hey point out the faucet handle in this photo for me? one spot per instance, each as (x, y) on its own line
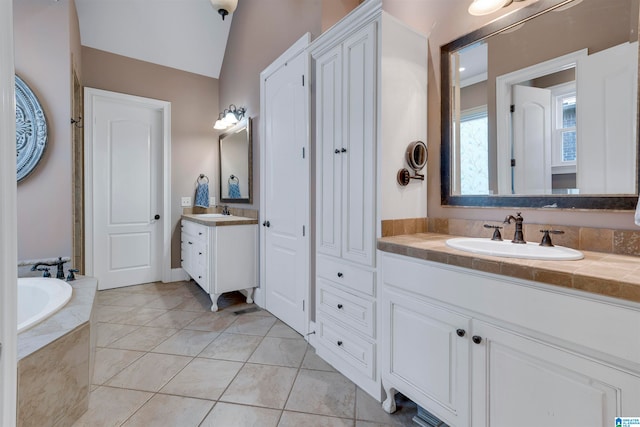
(496, 232)
(546, 238)
(71, 277)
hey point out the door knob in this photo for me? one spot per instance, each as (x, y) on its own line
(340, 274)
(339, 343)
(477, 339)
(343, 150)
(340, 306)
(266, 224)
(156, 217)
(336, 151)
(461, 332)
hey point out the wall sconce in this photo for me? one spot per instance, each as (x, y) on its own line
(229, 117)
(224, 7)
(485, 7)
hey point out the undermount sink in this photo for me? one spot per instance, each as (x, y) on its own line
(211, 215)
(506, 249)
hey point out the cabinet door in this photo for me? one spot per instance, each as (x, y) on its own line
(424, 356)
(521, 381)
(359, 146)
(328, 156)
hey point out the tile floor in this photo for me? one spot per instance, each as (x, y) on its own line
(164, 359)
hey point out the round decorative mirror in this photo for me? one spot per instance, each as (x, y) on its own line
(31, 130)
(417, 155)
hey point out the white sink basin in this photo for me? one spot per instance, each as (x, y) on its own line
(505, 248)
(211, 215)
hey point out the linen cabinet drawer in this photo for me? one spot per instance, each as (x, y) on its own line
(358, 279)
(357, 312)
(354, 350)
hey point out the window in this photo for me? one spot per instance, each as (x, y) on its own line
(474, 161)
(564, 143)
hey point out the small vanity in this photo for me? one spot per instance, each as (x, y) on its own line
(220, 252)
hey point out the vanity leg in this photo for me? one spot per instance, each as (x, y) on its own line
(214, 301)
(249, 295)
(389, 405)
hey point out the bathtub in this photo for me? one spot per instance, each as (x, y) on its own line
(39, 298)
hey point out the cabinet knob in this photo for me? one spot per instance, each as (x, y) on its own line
(461, 332)
(343, 150)
(340, 274)
(266, 224)
(199, 277)
(336, 151)
(339, 343)
(476, 339)
(156, 217)
(339, 306)
(199, 233)
(191, 243)
(199, 253)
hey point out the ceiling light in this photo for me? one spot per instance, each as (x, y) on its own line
(224, 7)
(485, 7)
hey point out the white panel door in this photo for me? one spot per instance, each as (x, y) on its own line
(523, 382)
(127, 149)
(531, 140)
(358, 147)
(606, 120)
(286, 204)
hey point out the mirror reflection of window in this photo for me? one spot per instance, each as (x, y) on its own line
(474, 162)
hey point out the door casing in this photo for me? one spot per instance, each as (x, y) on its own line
(90, 96)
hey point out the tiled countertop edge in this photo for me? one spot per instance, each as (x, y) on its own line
(616, 276)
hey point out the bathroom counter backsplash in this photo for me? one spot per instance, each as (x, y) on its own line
(612, 275)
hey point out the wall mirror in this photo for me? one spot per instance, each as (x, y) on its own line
(540, 108)
(236, 163)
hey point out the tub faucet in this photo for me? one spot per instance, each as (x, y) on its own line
(59, 263)
(518, 236)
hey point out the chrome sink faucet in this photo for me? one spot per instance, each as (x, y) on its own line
(225, 210)
(518, 236)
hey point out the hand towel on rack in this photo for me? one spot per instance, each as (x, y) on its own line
(234, 187)
(202, 194)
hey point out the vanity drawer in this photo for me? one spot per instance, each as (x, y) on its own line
(343, 274)
(350, 348)
(193, 230)
(357, 312)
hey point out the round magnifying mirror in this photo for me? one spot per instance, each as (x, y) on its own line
(417, 155)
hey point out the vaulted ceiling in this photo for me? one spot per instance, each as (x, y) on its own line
(187, 35)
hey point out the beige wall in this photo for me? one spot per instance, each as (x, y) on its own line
(194, 107)
(45, 34)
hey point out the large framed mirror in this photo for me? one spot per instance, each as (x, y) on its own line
(540, 108)
(236, 169)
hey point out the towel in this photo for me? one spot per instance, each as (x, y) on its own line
(202, 195)
(234, 190)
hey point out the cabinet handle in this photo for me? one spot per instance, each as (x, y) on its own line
(339, 343)
(461, 332)
(340, 306)
(340, 274)
(477, 339)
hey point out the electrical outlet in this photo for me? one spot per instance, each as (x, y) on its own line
(186, 202)
(212, 201)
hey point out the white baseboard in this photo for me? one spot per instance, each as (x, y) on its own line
(178, 275)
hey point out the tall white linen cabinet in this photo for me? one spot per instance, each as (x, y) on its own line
(369, 101)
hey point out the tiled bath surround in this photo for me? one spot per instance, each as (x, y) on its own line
(55, 362)
(621, 242)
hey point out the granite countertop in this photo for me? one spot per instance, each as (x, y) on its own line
(220, 220)
(606, 274)
(75, 313)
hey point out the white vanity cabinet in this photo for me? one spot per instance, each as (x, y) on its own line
(220, 258)
(476, 349)
(357, 64)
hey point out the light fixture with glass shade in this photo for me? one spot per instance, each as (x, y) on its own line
(224, 7)
(486, 7)
(229, 117)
